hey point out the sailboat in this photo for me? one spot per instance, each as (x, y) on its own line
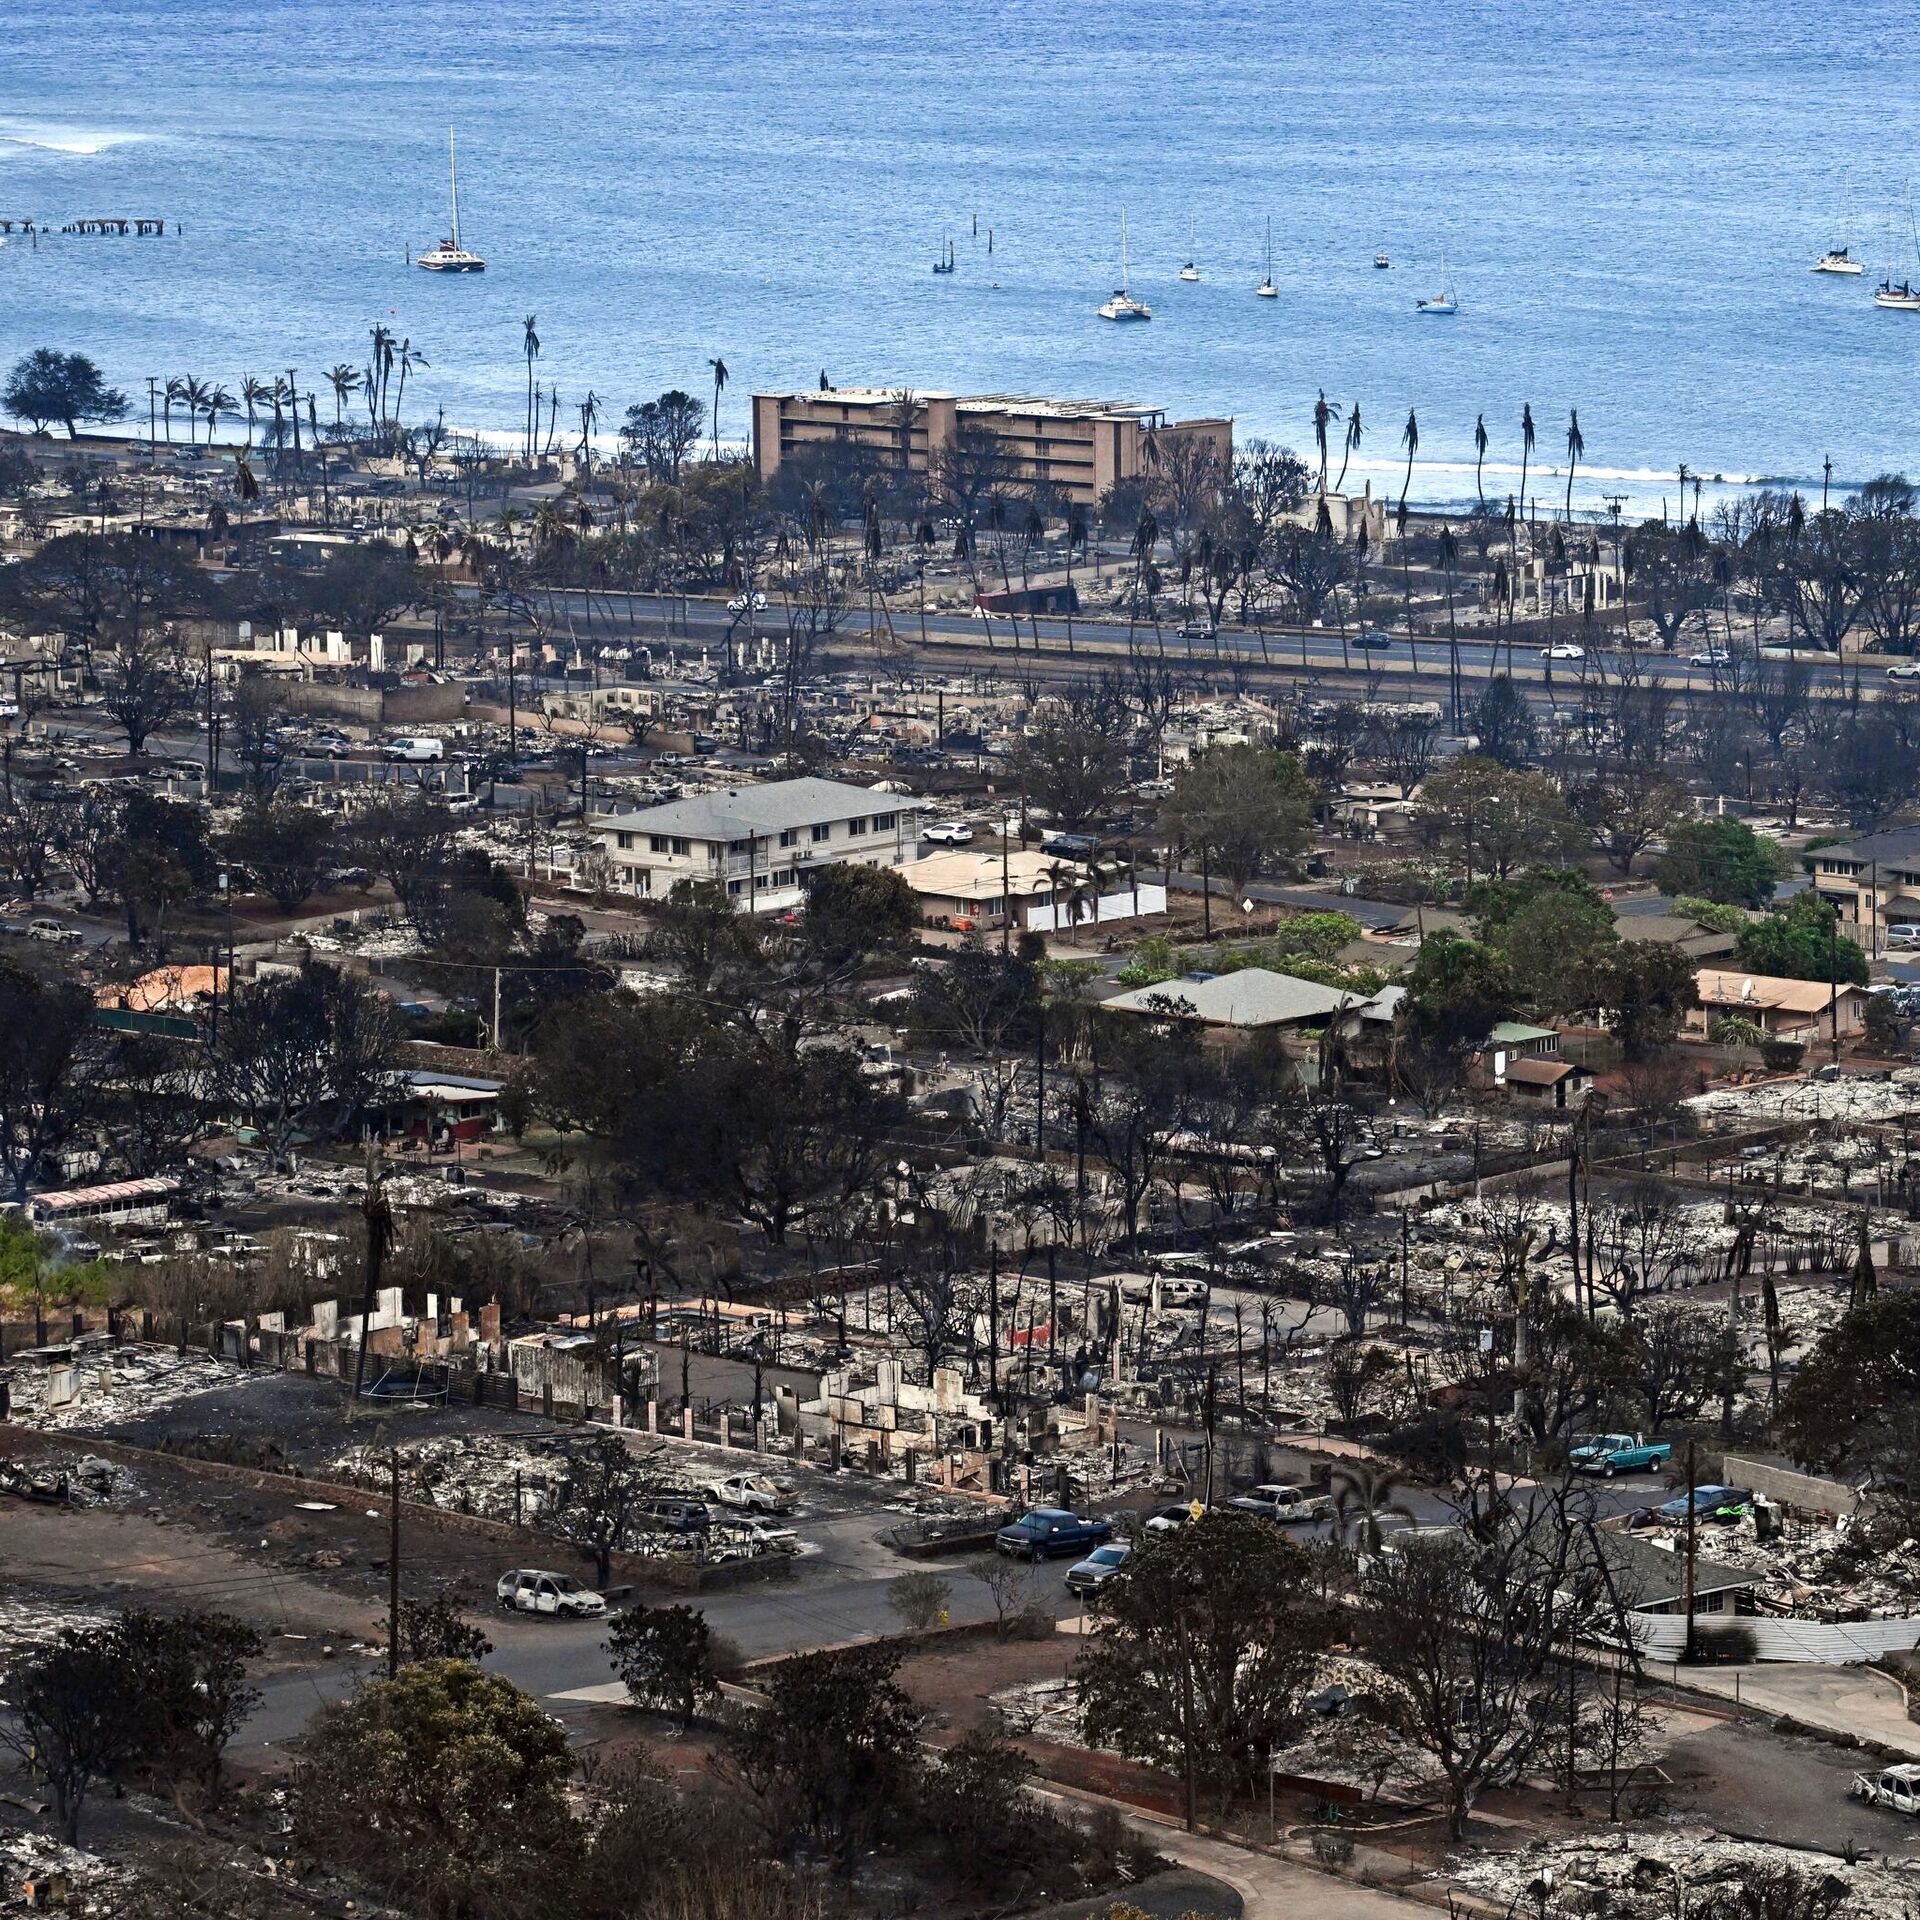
(1123, 306)
(1840, 259)
(1443, 302)
(1189, 271)
(945, 263)
(1898, 295)
(1266, 289)
(450, 256)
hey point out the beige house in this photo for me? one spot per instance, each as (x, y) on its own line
(1800, 1010)
(1083, 447)
(1875, 883)
(968, 890)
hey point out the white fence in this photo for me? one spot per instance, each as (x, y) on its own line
(1663, 1636)
(1110, 906)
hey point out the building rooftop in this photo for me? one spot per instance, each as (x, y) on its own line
(777, 807)
(1722, 989)
(976, 876)
(1032, 403)
(1541, 1073)
(1253, 997)
(1895, 844)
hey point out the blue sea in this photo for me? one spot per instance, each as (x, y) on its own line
(1628, 199)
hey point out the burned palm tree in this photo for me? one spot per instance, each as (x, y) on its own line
(1576, 446)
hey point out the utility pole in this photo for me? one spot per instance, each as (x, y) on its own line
(393, 1565)
(1692, 1533)
(379, 1228)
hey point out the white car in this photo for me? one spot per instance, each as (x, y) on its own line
(1563, 650)
(1710, 657)
(948, 833)
(1907, 670)
(747, 603)
(534, 1590)
(754, 1493)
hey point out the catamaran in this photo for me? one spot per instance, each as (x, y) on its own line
(1123, 306)
(450, 256)
(945, 263)
(1899, 295)
(1266, 289)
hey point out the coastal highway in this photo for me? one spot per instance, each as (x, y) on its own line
(1055, 647)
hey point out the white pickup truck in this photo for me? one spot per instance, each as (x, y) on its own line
(1897, 1788)
(1284, 1503)
(753, 1493)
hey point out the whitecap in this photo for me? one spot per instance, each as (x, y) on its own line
(70, 141)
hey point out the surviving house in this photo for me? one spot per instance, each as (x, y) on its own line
(1803, 1010)
(761, 841)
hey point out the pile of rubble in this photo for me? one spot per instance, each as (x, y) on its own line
(1847, 1098)
(107, 1385)
(28, 1623)
(1653, 1873)
(43, 1874)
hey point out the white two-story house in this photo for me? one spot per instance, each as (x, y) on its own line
(760, 840)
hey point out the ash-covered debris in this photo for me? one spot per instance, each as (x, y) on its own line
(1652, 1873)
(39, 1873)
(102, 1385)
(30, 1621)
(1850, 1097)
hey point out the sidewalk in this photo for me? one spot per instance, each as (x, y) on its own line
(1856, 1700)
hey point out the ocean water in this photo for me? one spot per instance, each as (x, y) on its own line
(1628, 198)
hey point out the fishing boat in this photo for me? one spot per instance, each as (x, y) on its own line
(1189, 271)
(945, 263)
(450, 256)
(1123, 306)
(1381, 260)
(1446, 301)
(1266, 289)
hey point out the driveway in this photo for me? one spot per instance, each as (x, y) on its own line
(1854, 1700)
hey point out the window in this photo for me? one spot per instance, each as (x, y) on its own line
(625, 841)
(659, 843)
(735, 887)
(822, 833)
(883, 823)
(788, 837)
(682, 847)
(855, 828)
(759, 881)
(737, 846)
(783, 876)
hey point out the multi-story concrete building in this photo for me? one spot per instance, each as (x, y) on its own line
(1082, 447)
(761, 841)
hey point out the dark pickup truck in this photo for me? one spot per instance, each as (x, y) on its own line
(1047, 1531)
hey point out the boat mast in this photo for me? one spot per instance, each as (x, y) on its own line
(1124, 275)
(453, 183)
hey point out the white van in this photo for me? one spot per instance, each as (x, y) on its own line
(416, 746)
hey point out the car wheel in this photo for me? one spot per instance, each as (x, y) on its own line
(1607, 1472)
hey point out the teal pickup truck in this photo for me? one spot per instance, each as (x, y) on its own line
(1611, 1453)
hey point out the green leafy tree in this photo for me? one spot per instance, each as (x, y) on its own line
(1551, 945)
(1644, 990)
(1801, 942)
(833, 1754)
(1205, 1646)
(446, 1785)
(1246, 805)
(47, 385)
(1457, 991)
(854, 912)
(664, 1657)
(286, 848)
(185, 1685)
(1073, 758)
(1852, 1403)
(1722, 860)
(1495, 819)
(436, 1629)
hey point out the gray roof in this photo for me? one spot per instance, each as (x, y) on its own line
(777, 807)
(1253, 997)
(1896, 843)
(1649, 1576)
